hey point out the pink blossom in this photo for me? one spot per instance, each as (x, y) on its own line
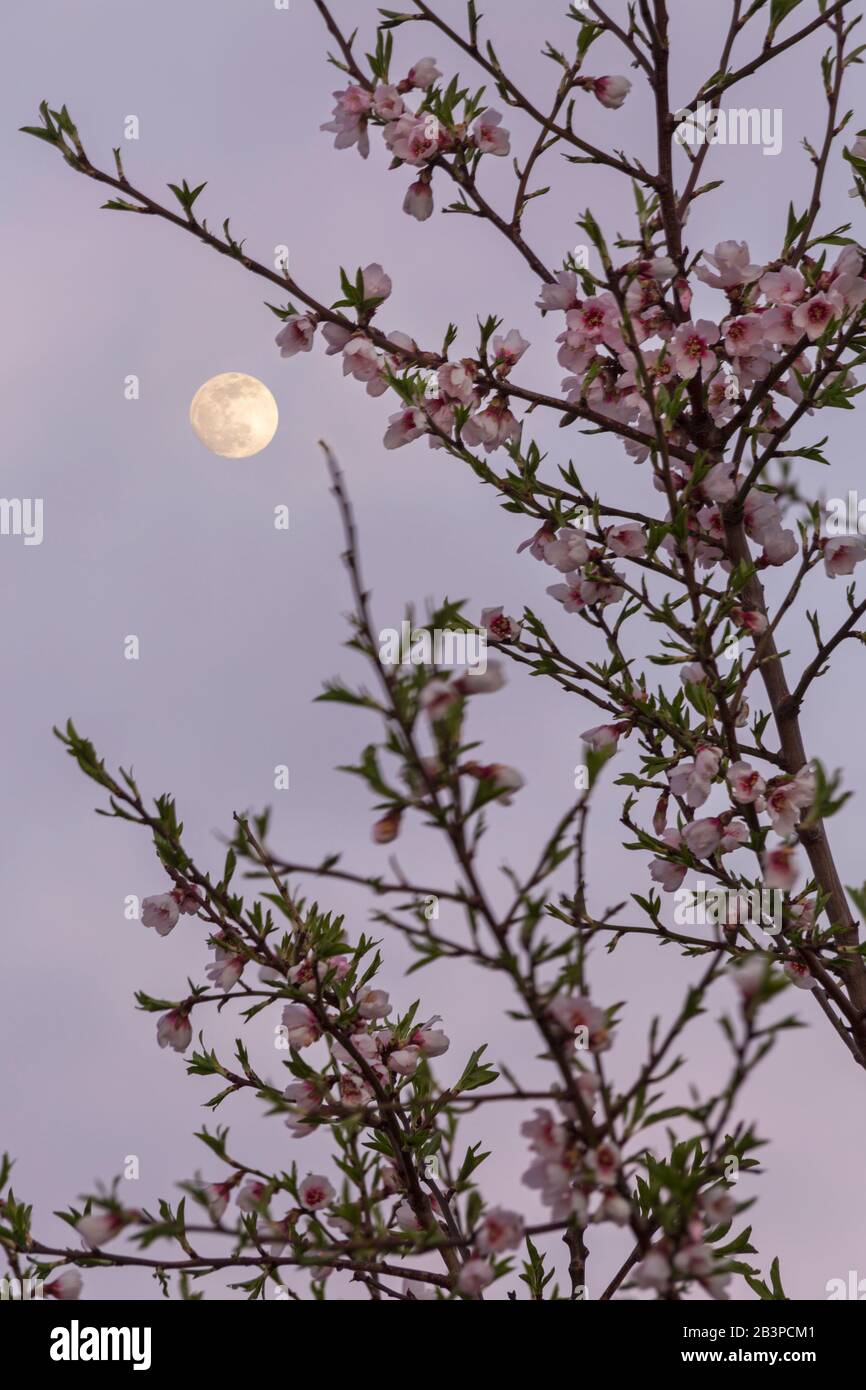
(440, 413)
(745, 783)
(690, 348)
(499, 776)
(66, 1285)
(188, 899)
(360, 359)
(693, 673)
(718, 484)
(730, 260)
(499, 1230)
(414, 139)
(374, 1003)
(424, 73)
(626, 539)
(703, 837)
(405, 426)
(418, 202)
(785, 286)
(252, 1195)
(604, 735)
(216, 1195)
(750, 975)
(174, 1030)
(404, 1060)
(498, 627)
(311, 969)
(604, 1163)
(391, 1179)
(99, 1227)
(799, 974)
(847, 286)
(478, 682)
(692, 780)
(355, 1092)
(387, 102)
(554, 1181)
(780, 867)
(779, 546)
(547, 1135)
(568, 551)
(785, 800)
(602, 589)
(301, 1026)
(305, 1098)
(362, 1044)
(743, 335)
(734, 835)
(752, 619)
(611, 91)
(315, 1192)
(668, 875)
(487, 135)
(573, 1011)
(537, 544)
(296, 335)
(474, 1277)
(695, 1260)
(761, 514)
(491, 427)
(842, 553)
(657, 367)
(803, 914)
(350, 119)
(613, 1207)
(561, 294)
(160, 912)
(779, 327)
(717, 1205)
(665, 872)
(596, 320)
(226, 969)
(377, 285)
(431, 1042)
(654, 1271)
(813, 316)
(457, 381)
(508, 350)
(336, 336)
(437, 698)
(406, 1219)
(279, 1235)
(569, 594)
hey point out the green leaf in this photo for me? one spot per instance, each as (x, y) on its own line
(780, 10)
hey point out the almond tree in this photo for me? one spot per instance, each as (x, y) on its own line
(709, 407)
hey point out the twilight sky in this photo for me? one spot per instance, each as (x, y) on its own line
(146, 533)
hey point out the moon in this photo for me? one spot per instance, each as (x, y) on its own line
(234, 415)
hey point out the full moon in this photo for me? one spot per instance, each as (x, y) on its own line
(234, 415)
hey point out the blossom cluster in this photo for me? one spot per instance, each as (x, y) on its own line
(421, 138)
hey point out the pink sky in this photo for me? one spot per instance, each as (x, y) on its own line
(239, 624)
